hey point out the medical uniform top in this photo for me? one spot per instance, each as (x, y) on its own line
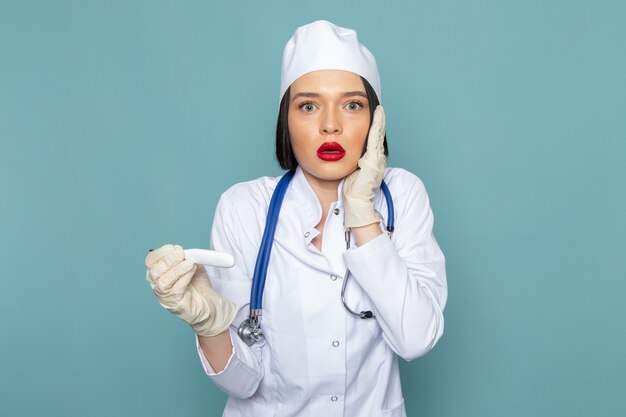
(317, 359)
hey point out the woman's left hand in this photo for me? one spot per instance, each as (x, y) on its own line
(359, 188)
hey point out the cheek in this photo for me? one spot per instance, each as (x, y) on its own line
(360, 135)
(303, 133)
(297, 129)
(296, 143)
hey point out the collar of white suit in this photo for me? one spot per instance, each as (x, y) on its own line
(310, 213)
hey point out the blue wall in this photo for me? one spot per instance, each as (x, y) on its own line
(121, 122)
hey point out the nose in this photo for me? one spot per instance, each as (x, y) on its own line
(330, 123)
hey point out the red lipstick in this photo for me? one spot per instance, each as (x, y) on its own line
(330, 151)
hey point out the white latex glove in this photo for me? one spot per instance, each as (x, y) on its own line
(183, 288)
(360, 187)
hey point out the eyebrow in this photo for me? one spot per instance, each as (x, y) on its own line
(316, 95)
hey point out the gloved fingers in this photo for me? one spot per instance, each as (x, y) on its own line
(199, 308)
(167, 262)
(158, 270)
(374, 169)
(376, 136)
(150, 279)
(154, 256)
(179, 275)
(190, 280)
(202, 284)
(371, 165)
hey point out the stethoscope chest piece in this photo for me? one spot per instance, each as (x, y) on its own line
(250, 331)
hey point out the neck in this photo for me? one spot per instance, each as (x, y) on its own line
(325, 190)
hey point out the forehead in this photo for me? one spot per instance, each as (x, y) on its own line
(328, 81)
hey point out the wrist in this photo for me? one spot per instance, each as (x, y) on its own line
(359, 213)
(364, 234)
(211, 342)
(217, 349)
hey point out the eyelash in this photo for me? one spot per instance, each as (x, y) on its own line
(301, 106)
(357, 102)
(306, 103)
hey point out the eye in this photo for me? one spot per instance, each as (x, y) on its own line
(354, 105)
(307, 107)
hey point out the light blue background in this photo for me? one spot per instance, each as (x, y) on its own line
(121, 122)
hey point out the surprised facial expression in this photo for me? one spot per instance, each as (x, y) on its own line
(328, 120)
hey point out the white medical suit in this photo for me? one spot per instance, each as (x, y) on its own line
(316, 359)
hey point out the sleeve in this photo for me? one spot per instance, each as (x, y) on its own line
(240, 378)
(243, 372)
(405, 277)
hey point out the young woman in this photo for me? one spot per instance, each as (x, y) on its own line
(332, 254)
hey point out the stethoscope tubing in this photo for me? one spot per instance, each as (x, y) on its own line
(390, 211)
(263, 258)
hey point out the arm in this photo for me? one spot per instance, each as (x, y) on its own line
(406, 278)
(217, 350)
(232, 365)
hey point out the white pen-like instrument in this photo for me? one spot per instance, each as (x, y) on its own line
(210, 258)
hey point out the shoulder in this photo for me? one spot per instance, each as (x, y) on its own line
(242, 209)
(254, 194)
(403, 183)
(411, 203)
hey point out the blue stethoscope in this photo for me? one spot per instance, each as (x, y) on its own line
(250, 329)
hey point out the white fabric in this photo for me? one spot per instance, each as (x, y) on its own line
(322, 45)
(316, 359)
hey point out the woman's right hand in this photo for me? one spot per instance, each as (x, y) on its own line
(182, 287)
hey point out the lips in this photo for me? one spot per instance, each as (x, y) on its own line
(330, 151)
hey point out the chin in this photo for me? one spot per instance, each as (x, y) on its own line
(331, 173)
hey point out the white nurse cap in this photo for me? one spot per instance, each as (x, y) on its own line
(322, 45)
